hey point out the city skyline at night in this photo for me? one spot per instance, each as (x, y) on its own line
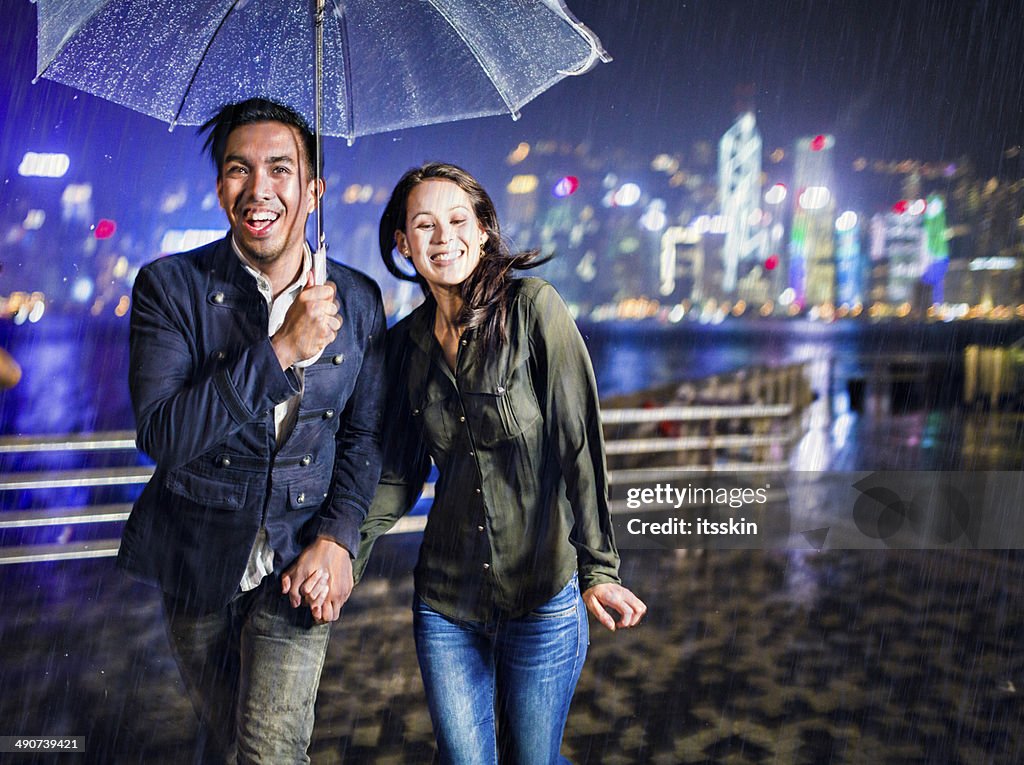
(908, 94)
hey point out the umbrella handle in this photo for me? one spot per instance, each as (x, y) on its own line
(320, 265)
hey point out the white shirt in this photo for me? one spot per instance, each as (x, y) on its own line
(261, 557)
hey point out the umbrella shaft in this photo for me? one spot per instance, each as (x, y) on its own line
(317, 108)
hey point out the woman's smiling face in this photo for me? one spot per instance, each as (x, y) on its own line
(443, 237)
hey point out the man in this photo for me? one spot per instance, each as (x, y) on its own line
(257, 394)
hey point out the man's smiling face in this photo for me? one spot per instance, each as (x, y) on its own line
(266, 191)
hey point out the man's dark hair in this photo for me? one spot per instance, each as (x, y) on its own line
(232, 116)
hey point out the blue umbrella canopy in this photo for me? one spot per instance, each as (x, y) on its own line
(387, 64)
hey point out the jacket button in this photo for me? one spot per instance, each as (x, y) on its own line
(487, 566)
(328, 414)
(472, 454)
(224, 462)
(300, 499)
(337, 358)
(415, 412)
(462, 418)
(219, 355)
(305, 460)
(478, 490)
(501, 390)
(479, 528)
(465, 342)
(217, 297)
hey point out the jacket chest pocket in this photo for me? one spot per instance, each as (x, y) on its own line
(328, 383)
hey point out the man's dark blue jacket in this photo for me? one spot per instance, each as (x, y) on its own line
(204, 381)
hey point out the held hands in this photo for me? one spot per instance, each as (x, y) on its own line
(629, 607)
(321, 577)
(312, 322)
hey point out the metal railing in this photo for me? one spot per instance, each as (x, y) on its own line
(641, 442)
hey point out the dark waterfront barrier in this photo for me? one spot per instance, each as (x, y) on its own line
(753, 425)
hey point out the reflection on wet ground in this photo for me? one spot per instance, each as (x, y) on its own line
(851, 656)
(746, 657)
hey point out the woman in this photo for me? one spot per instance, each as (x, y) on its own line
(490, 378)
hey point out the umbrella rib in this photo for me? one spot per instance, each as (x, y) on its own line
(346, 71)
(479, 59)
(199, 64)
(597, 52)
(68, 36)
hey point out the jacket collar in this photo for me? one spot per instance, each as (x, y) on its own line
(224, 265)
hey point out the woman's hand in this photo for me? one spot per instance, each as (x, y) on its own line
(629, 607)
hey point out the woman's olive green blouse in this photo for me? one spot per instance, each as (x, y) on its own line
(521, 501)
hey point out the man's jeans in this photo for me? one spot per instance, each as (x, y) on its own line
(521, 672)
(252, 672)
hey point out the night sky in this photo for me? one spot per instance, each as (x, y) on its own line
(930, 80)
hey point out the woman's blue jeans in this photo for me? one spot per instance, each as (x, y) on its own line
(500, 690)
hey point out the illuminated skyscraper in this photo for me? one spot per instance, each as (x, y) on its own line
(897, 249)
(849, 267)
(936, 247)
(812, 267)
(739, 195)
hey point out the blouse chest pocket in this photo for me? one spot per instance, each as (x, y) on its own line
(501, 407)
(435, 413)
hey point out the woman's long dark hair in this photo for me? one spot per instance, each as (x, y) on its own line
(487, 292)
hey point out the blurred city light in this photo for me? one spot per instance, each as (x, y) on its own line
(522, 184)
(935, 206)
(847, 221)
(173, 201)
(76, 193)
(627, 195)
(34, 220)
(776, 194)
(181, 240)
(518, 154)
(120, 269)
(81, 289)
(42, 165)
(104, 229)
(994, 263)
(566, 186)
(36, 313)
(357, 193)
(654, 219)
(815, 198)
(665, 163)
(719, 224)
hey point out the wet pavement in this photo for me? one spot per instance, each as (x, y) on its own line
(792, 656)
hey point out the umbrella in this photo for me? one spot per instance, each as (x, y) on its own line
(386, 64)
